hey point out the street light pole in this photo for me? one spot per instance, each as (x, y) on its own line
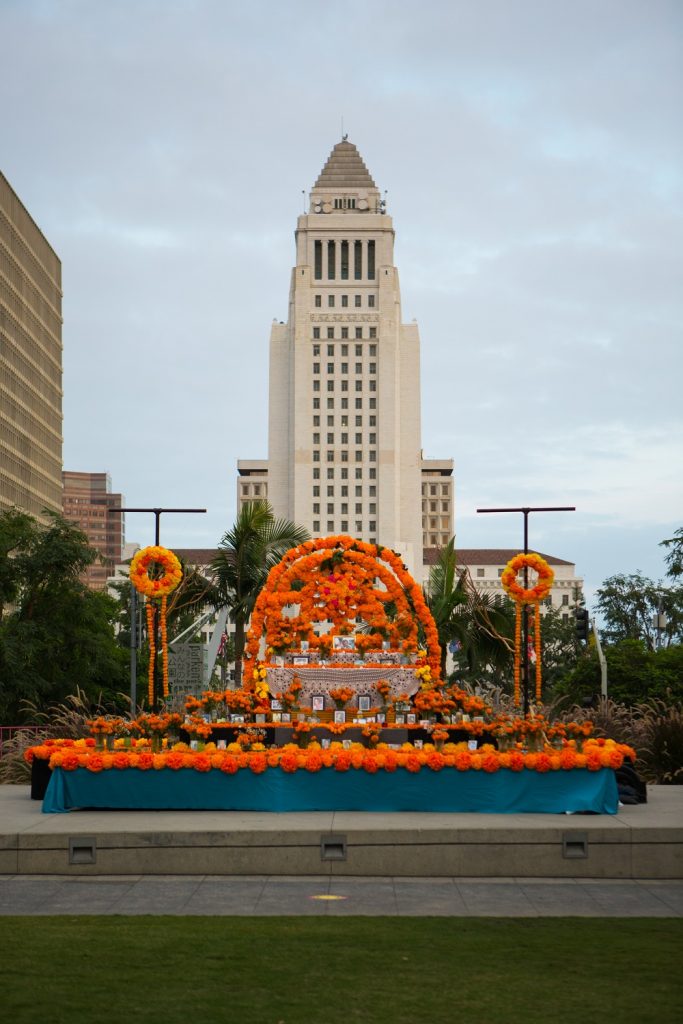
(158, 512)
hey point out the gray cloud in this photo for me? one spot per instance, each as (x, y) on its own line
(532, 157)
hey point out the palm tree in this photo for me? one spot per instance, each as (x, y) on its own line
(246, 554)
(480, 626)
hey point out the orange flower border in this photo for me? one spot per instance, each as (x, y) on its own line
(596, 754)
(143, 561)
(348, 591)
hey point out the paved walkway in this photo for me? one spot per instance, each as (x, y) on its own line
(30, 895)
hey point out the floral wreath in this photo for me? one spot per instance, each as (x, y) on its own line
(533, 594)
(334, 579)
(522, 596)
(143, 560)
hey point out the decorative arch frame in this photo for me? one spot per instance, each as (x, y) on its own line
(335, 579)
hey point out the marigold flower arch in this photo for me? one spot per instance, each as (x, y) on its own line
(334, 579)
(530, 595)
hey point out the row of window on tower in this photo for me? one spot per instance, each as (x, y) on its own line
(370, 350)
(358, 333)
(344, 301)
(338, 260)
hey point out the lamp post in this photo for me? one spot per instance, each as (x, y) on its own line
(525, 510)
(158, 512)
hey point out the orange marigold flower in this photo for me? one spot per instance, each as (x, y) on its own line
(174, 760)
(145, 761)
(543, 763)
(370, 763)
(314, 762)
(202, 763)
(413, 763)
(289, 762)
(342, 761)
(94, 763)
(516, 760)
(230, 765)
(490, 762)
(435, 761)
(120, 761)
(258, 763)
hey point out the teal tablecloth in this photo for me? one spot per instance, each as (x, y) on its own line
(502, 792)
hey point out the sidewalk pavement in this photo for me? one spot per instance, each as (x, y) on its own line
(311, 896)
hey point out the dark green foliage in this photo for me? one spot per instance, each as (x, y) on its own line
(246, 554)
(629, 604)
(634, 674)
(55, 634)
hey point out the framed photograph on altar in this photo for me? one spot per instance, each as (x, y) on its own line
(237, 719)
(304, 645)
(276, 716)
(318, 702)
(279, 661)
(300, 659)
(400, 719)
(260, 718)
(363, 702)
(285, 717)
(343, 643)
(411, 719)
(339, 717)
(275, 705)
(380, 718)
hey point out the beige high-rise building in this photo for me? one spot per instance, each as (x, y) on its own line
(344, 447)
(30, 362)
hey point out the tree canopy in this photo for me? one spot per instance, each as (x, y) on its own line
(55, 633)
(246, 554)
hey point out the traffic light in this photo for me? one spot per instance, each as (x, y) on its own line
(582, 623)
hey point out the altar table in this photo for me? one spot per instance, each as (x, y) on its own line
(501, 792)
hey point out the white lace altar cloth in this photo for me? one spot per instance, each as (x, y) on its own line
(316, 679)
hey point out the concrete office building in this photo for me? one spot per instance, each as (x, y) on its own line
(30, 362)
(344, 448)
(91, 505)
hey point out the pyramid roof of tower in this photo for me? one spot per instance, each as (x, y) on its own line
(345, 169)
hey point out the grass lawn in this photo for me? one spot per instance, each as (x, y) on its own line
(294, 970)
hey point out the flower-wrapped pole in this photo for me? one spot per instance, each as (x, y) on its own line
(523, 596)
(156, 572)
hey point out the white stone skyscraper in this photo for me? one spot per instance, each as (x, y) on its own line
(344, 448)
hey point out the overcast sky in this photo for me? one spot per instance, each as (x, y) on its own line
(531, 153)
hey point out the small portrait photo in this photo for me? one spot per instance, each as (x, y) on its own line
(344, 643)
(400, 719)
(411, 719)
(318, 702)
(275, 705)
(339, 717)
(300, 659)
(304, 645)
(363, 702)
(276, 716)
(285, 717)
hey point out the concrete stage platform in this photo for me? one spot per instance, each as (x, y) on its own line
(640, 842)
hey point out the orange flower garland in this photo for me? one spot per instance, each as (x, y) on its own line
(531, 595)
(148, 560)
(596, 754)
